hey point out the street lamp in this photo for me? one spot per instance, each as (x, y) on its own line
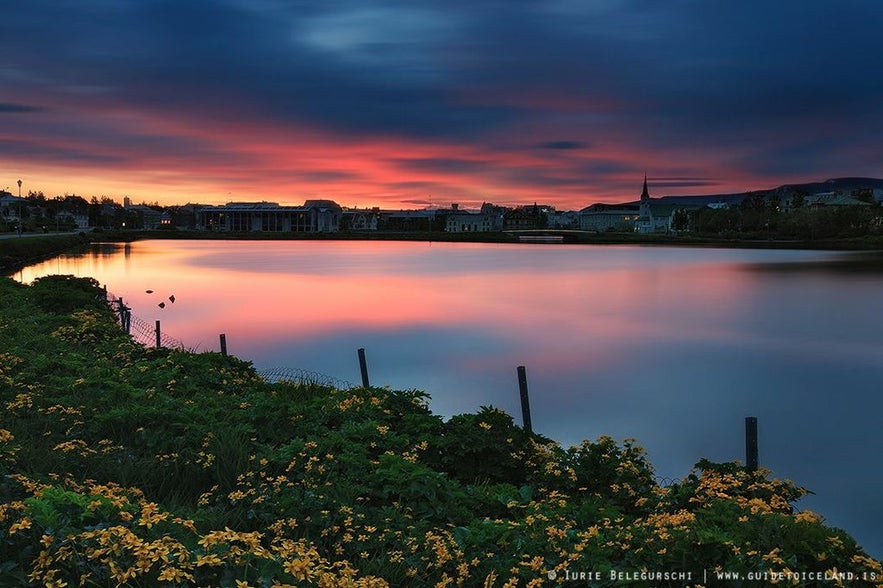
(20, 220)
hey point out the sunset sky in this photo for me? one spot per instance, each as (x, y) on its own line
(403, 103)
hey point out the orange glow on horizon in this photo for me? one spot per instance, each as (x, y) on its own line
(238, 160)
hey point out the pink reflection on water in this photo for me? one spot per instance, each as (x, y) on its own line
(565, 316)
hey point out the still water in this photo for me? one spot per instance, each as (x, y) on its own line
(670, 346)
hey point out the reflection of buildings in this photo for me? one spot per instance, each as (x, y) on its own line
(315, 216)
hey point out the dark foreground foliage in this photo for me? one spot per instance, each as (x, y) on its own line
(124, 465)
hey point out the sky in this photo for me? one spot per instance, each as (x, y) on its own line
(414, 103)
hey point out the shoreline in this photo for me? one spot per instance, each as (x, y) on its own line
(17, 253)
(568, 237)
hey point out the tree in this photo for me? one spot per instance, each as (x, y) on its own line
(680, 220)
(864, 194)
(798, 199)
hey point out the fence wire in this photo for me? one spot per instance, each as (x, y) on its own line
(299, 376)
(144, 333)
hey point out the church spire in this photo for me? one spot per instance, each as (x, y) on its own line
(645, 193)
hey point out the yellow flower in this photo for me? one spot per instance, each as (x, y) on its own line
(299, 568)
(807, 516)
(23, 524)
(209, 560)
(174, 575)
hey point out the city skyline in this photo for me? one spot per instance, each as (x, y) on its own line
(400, 105)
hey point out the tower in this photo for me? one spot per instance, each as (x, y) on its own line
(645, 214)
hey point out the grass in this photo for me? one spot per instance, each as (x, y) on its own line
(17, 252)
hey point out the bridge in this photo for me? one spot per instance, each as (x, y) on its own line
(551, 235)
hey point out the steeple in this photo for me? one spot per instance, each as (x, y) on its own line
(645, 193)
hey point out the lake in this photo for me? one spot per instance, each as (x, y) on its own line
(671, 346)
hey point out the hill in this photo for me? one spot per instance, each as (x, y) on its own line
(845, 185)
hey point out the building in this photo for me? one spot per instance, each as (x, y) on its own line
(833, 199)
(556, 219)
(11, 206)
(609, 217)
(465, 221)
(496, 214)
(146, 217)
(524, 217)
(315, 216)
(659, 217)
(78, 220)
(360, 220)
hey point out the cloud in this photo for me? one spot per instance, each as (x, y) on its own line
(7, 107)
(564, 145)
(517, 98)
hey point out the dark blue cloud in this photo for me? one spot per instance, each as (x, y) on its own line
(564, 145)
(782, 80)
(8, 107)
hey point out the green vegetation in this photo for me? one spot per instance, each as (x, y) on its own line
(766, 218)
(126, 465)
(17, 252)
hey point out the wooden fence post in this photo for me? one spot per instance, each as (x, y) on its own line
(223, 344)
(363, 367)
(751, 443)
(525, 401)
(158, 338)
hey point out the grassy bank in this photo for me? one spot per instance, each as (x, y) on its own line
(121, 464)
(18, 252)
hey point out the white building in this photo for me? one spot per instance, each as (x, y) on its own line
(463, 221)
(608, 217)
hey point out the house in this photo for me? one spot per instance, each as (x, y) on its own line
(147, 217)
(833, 199)
(464, 221)
(496, 214)
(11, 206)
(562, 219)
(524, 217)
(77, 219)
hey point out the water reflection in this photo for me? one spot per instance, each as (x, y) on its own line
(672, 346)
